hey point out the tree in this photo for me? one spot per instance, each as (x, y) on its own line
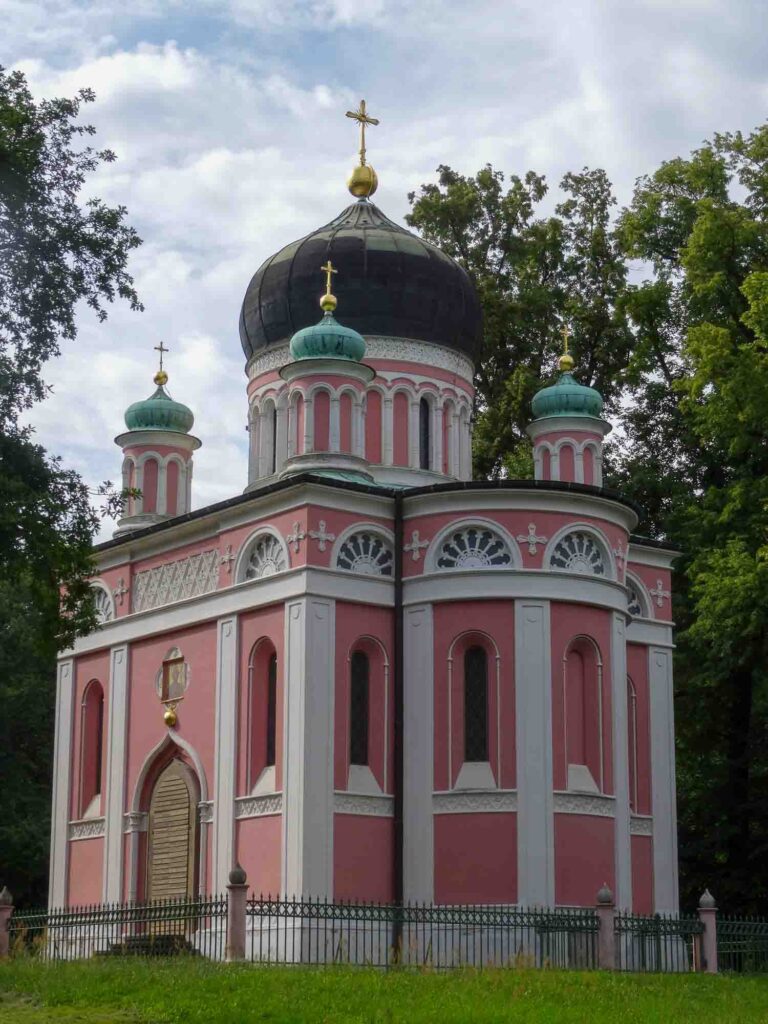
(55, 252)
(533, 274)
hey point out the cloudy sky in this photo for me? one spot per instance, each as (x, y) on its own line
(227, 117)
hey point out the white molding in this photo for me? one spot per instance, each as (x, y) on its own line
(167, 438)
(528, 584)
(85, 828)
(308, 726)
(590, 804)
(620, 732)
(533, 726)
(258, 806)
(475, 802)
(116, 772)
(63, 757)
(418, 744)
(656, 558)
(651, 633)
(641, 825)
(226, 745)
(368, 804)
(663, 797)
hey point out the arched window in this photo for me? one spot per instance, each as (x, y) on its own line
(637, 606)
(475, 704)
(583, 716)
(262, 715)
(91, 749)
(265, 555)
(359, 705)
(366, 552)
(474, 547)
(579, 552)
(102, 604)
(632, 745)
(425, 434)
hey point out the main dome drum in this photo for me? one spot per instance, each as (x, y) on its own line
(391, 283)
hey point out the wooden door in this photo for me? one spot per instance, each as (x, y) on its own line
(172, 835)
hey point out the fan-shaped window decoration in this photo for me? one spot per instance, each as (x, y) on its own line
(366, 553)
(578, 552)
(102, 604)
(267, 557)
(635, 603)
(474, 547)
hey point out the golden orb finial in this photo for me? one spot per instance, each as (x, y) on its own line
(161, 377)
(169, 717)
(328, 301)
(566, 361)
(363, 181)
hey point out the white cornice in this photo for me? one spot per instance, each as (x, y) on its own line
(653, 633)
(657, 558)
(171, 438)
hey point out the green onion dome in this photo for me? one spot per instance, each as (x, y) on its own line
(159, 411)
(328, 339)
(567, 398)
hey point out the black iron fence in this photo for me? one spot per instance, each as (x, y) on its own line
(663, 942)
(318, 931)
(742, 944)
(197, 927)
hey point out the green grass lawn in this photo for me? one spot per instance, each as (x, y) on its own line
(132, 991)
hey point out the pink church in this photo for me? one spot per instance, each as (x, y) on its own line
(369, 676)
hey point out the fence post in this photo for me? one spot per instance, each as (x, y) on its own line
(606, 935)
(6, 909)
(708, 917)
(237, 895)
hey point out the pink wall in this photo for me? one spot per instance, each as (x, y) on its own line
(567, 463)
(642, 874)
(322, 411)
(258, 846)
(266, 624)
(362, 858)
(373, 428)
(172, 502)
(353, 623)
(475, 858)
(85, 874)
(584, 858)
(589, 466)
(637, 668)
(400, 416)
(345, 422)
(474, 622)
(87, 667)
(149, 486)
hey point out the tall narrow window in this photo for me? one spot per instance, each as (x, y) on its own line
(91, 749)
(425, 434)
(475, 704)
(358, 708)
(632, 746)
(271, 710)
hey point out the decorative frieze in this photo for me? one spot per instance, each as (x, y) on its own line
(88, 828)
(363, 803)
(175, 581)
(461, 802)
(258, 806)
(640, 825)
(584, 803)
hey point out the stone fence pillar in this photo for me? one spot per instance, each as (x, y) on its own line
(708, 917)
(237, 895)
(6, 909)
(606, 935)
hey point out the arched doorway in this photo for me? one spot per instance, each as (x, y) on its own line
(172, 841)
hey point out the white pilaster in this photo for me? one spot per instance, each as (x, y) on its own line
(578, 463)
(437, 438)
(414, 439)
(334, 425)
(623, 849)
(309, 425)
(663, 797)
(63, 757)
(162, 486)
(418, 740)
(535, 821)
(310, 631)
(281, 441)
(114, 802)
(226, 747)
(387, 421)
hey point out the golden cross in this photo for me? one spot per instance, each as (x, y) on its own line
(566, 333)
(328, 269)
(161, 349)
(362, 119)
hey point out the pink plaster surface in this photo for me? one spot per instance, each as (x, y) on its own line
(149, 486)
(86, 871)
(400, 412)
(584, 858)
(567, 463)
(569, 621)
(322, 413)
(87, 667)
(553, 436)
(264, 624)
(390, 366)
(172, 488)
(459, 625)
(258, 850)
(373, 415)
(161, 449)
(650, 575)
(637, 669)
(369, 629)
(475, 858)
(345, 422)
(362, 858)
(642, 874)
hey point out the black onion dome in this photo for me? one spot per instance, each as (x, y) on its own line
(390, 283)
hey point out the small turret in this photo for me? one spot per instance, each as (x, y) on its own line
(157, 457)
(568, 428)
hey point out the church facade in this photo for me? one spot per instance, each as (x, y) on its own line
(369, 676)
